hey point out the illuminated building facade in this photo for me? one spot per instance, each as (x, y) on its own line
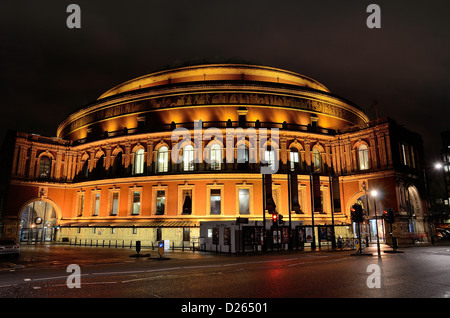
(110, 174)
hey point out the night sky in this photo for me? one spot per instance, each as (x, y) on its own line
(48, 70)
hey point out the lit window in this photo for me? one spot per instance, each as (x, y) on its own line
(139, 161)
(317, 161)
(363, 156)
(242, 153)
(136, 204)
(80, 206)
(44, 167)
(160, 202)
(163, 159)
(96, 204)
(269, 157)
(294, 158)
(244, 201)
(215, 201)
(188, 158)
(216, 157)
(115, 203)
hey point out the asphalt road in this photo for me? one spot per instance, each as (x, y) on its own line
(187, 277)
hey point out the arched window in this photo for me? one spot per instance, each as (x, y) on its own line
(163, 159)
(188, 158)
(45, 167)
(363, 157)
(118, 164)
(242, 153)
(269, 157)
(317, 160)
(216, 157)
(85, 169)
(100, 167)
(294, 158)
(138, 165)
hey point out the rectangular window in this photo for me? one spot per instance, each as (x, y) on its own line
(136, 208)
(96, 204)
(80, 204)
(244, 201)
(187, 201)
(160, 202)
(115, 203)
(215, 201)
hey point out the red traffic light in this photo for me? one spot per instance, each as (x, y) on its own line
(275, 217)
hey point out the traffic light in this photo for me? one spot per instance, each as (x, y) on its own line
(275, 218)
(388, 216)
(356, 213)
(280, 219)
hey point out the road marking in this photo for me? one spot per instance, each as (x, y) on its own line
(144, 278)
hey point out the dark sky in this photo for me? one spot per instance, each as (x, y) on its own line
(48, 70)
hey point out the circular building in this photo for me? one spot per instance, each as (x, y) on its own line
(214, 145)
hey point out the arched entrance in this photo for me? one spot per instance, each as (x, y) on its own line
(37, 224)
(373, 217)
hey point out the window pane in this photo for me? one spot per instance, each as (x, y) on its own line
(242, 153)
(97, 203)
(160, 201)
(44, 167)
(215, 201)
(115, 203)
(363, 157)
(269, 157)
(216, 157)
(139, 161)
(163, 159)
(294, 158)
(187, 201)
(188, 158)
(244, 201)
(136, 202)
(317, 161)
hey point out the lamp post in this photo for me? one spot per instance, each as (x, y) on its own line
(437, 166)
(374, 193)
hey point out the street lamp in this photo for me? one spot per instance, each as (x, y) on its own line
(374, 193)
(437, 166)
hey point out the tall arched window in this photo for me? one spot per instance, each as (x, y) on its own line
(139, 161)
(45, 167)
(85, 169)
(100, 167)
(188, 158)
(269, 157)
(118, 164)
(317, 160)
(294, 158)
(216, 157)
(363, 157)
(242, 153)
(163, 159)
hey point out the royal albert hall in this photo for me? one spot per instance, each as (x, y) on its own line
(154, 157)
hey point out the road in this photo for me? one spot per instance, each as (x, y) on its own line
(41, 272)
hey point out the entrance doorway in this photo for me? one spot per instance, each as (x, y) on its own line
(37, 222)
(373, 223)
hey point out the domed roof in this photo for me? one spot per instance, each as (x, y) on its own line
(216, 72)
